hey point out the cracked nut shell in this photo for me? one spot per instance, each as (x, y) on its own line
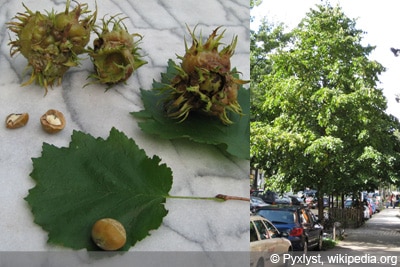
(53, 121)
(109, 234)
(17, 120)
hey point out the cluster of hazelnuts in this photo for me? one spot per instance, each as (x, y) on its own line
(52, 121)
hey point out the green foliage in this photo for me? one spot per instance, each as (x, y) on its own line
(254, 3)
(93, 179)
(234, 139)
(321, 119)
(328, 243)
(268, 38)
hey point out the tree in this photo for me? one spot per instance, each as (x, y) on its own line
(262, 42)
(323, 122)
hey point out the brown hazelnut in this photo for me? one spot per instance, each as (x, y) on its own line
(109, 234)
(52, 121)
(17, 120)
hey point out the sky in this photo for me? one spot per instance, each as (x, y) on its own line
(380, 20)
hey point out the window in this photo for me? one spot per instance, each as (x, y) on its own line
(273, 232)
(262, 230)
(313, 218)
(278, 216)
(304, 217)
(253, 233)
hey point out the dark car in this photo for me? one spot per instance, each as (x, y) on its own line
(256, 202)
(304, 230)
(325, 200)
(296, 200)
(271, 197)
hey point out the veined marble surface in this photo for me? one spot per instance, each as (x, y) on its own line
(199, 170)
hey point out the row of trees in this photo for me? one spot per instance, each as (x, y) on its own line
(318, 116)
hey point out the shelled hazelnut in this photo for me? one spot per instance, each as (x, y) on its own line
(17, 120)
(53, 121)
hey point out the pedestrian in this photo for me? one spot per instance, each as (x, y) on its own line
(393, 199)
(387, 201)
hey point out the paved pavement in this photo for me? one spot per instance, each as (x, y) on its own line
(382, 232)
(376, 243)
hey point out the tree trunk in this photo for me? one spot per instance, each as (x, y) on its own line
(255, 180)
(320, 206)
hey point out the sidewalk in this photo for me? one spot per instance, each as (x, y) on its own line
(381, 232)
(376, 243)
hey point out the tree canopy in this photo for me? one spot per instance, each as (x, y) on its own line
(318, 114)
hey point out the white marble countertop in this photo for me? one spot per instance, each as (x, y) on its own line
(199, 170)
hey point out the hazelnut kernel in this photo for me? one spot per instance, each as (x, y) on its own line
(17, 120)
(53, 121)
(109, 234)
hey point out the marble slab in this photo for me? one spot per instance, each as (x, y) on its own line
(199, 170)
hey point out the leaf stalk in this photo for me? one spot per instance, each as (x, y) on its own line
(219, 197)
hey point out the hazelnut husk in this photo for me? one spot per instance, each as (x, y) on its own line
(17, 120)
(53, 121)
(109, 234)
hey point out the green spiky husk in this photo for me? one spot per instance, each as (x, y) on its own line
(115, 53)
(51, 42)
(205, 82)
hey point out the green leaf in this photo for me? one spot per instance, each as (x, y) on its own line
(93, 179)
(234, 139)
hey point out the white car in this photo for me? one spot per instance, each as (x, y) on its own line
(367, 215)
(266, 240)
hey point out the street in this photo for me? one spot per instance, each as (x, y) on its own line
(376, 243)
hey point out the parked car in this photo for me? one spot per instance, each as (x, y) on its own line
(265, 240)
(310, 202)
(257, 193)
(283, 200)
(271, 197)
(371, 212)
(296, 200)
(348, 203)
(326, 201)
(309, 198)
(304, 230)
(378, 203)
(372, 205)
(367, 214)
(256, 202)
(310, 192)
